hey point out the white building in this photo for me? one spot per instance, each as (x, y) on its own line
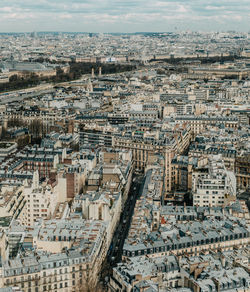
(104, 207)
(41, 202)
(213, 184)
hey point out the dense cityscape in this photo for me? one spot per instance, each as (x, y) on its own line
(125, 162)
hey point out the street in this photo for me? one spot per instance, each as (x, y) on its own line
(115, 250)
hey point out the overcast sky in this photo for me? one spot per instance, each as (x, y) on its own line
(124, 16)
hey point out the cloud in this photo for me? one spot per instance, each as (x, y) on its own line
(6, 9)
(148, 15)
(65, 16)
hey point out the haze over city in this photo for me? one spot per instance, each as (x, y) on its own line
(123, 16)
(124, 146)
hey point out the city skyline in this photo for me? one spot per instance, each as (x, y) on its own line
(124, 160)
(123, 16)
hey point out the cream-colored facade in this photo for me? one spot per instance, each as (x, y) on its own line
(213, 184)
(40, 200)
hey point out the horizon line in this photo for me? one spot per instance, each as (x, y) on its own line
(135, 32)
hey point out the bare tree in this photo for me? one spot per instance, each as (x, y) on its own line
(15, 122)
(88, 284)
(37, 129)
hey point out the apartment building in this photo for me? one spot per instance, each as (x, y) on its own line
(222, 271)
(41, 159)
(242, 171)
(40, 200)
(61, 270)
(213, 184)
(144, 144)
(12, 200)
(181, 172)
(194, 237)
(199, 124)
(7, 148)
(158, 230)
(162, 270)
(104, 206)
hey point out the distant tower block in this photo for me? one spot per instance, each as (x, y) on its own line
(100, 71)
(93, 72)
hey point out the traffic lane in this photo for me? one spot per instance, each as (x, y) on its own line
(124, 226)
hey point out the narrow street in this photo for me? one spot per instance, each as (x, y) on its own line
(115, 250)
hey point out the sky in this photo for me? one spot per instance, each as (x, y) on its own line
(124, 15)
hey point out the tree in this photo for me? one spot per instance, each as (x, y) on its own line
(21, 142)
(37, 129)
(88, 285)
(15, 122)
